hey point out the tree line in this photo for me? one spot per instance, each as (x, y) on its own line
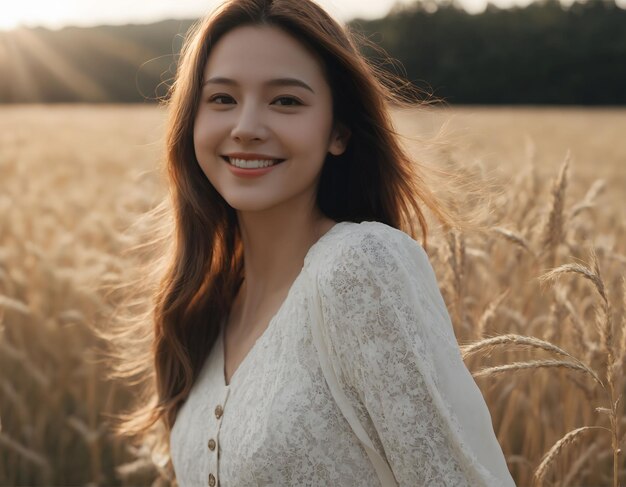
(544, 53)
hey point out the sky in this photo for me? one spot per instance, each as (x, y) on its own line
(55, 14)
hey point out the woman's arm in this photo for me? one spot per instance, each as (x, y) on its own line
(391, 339)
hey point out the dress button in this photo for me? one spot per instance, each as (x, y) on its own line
(211, 480)
(211, 444)
(218, 411)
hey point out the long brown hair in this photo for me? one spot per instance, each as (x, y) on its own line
(375, 179)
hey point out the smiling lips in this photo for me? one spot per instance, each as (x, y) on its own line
(251, 161)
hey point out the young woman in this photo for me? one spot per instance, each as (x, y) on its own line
(283, 164)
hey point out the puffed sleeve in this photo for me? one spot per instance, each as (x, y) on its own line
(391, 340)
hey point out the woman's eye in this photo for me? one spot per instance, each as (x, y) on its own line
(288, 101)
(216, 98)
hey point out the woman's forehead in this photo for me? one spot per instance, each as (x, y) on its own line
(262, 53)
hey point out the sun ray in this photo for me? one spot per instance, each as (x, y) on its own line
(4, 66)
(59, 67)
(21, 82)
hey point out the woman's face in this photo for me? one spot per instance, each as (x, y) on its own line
(264, 97)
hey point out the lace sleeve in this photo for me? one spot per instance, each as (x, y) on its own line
(391, 340)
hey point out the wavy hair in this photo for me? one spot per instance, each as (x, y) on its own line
(375, 179)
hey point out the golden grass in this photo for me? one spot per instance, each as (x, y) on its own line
(537, 303)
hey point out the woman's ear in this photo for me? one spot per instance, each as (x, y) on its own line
(339, 139)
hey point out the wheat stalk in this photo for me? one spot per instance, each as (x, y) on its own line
(588, 201)
(614, 372)
(20, 357)
(594, 277)
(525, 341)
(552, 454)
(575, 468)
(621, 347)
(515, 238)
(15, 305)
(28, 454)
(533, 364)
(512, 339)
(553, 229)
(456, 262)
(579, 330)
(579, 269)
(490, 312)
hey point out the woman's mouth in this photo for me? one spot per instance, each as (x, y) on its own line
(251, 163)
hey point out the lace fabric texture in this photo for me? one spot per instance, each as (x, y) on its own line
(394, 352)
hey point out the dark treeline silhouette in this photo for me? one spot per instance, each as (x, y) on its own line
(545, 53)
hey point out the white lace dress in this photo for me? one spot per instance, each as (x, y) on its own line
(393, 348)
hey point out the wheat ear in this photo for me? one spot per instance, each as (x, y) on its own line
(552, 454)
(524, 341)
(533, 364)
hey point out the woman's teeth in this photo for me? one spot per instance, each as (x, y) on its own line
(252, 164)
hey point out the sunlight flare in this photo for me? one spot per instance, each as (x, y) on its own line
(59, 67)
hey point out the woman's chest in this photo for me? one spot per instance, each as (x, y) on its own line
(276, 424)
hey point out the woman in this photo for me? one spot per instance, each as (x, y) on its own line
(283, 164)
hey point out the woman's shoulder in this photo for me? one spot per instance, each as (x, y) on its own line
(368, 244)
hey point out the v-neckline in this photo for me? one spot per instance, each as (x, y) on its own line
(269, 325)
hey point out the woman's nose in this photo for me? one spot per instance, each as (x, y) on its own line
(249, 125)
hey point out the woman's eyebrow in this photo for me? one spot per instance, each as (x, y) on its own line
(272, 82)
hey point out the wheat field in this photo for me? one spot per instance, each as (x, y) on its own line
(538, 302)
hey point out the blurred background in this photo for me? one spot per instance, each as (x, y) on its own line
(531, 106)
